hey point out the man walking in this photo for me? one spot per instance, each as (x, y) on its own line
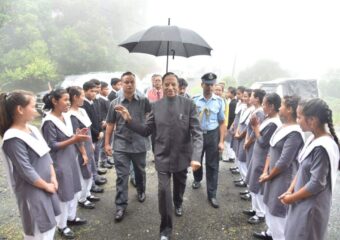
(178, 144)
(128, 145)
(211, 114)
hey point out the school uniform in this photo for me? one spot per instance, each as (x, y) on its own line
(27, 158)
(240, 107)
(308, 218)
(104, 104)
(285, 145)
(242, 127)
(81, 120)
(65, 163)
(229, 151)
(259, 114)
(257, 163)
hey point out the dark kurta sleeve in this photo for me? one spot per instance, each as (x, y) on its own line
(290, 150)
(266, 134)
(143, 129)
(147, 106)
(196, 133)
(319, 171)
(16, 150)
(49, 132)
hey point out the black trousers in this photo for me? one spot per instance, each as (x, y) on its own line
(165, 199)
(210, 150)
(122, 166)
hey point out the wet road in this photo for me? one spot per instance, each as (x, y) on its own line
(200, 220)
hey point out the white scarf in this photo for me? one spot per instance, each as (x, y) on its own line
(37, 144)
(66, 127)
(282, 132)
(239, 107)
(81, 115)
(267, 121)
(245, 115)
(331, 148)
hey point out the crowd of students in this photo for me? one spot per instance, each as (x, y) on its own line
(290, 180)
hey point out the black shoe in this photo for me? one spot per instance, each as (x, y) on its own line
(262, 235)
(238, 180)
(214, 203)
(77, 221)
(133, 181)
(196, 185)
(111, 162)
(235, 172)
(255, 220)
(141, 197)
(179, 211)
(244, 192)
(101, 171)
(96, 189)
(106, 165)
(246, 197)
(249, 212)
(231, 160)
(240, 184)
(93, 198)
(100, 180)
(119, 215)
(87, 204)
(66, 233)
(233, 168)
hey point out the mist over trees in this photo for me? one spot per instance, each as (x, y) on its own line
(261, 71)
(329, 84)
(43, 41)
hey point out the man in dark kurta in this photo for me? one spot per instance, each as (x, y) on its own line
(178, 143)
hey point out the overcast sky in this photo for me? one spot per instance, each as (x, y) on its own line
(303, 36)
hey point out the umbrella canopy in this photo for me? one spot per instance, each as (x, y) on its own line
(167, 40)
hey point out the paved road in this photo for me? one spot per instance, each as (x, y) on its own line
(200, 221)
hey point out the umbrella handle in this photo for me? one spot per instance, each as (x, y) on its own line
(173, 53)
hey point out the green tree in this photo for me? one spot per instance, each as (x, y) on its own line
(261, 71)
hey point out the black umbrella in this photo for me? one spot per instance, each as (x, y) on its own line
(163, 40)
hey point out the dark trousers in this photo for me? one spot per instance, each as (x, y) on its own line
(122, 166)
(210, 150)
(165, 199)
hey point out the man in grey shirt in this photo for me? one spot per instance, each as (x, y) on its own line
(127, 145)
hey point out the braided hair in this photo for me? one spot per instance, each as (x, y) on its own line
(319, 108)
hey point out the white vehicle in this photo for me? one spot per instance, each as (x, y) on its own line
(304, 88)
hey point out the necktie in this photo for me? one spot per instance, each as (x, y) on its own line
(158, 95)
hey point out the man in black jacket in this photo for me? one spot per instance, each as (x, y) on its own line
(89, 106)
(116, 84)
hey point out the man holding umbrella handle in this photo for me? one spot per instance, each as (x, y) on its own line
(178, 145)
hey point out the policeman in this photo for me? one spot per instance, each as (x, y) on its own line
(211, 115)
